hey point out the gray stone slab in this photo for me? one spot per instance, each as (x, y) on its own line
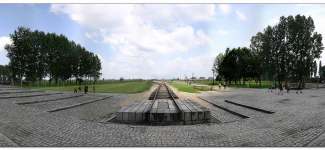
(126, 112)
(139, 113)
(119, 115)
(171, 105)
(194, 114)
(132, 112)
(199, 111)
(185, 112)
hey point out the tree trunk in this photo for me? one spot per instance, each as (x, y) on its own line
(299, 84)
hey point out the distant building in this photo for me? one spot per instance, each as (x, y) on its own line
(210, 78)
(202, 78)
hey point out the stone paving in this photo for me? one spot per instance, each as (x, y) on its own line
(39, 99)
(299, 120)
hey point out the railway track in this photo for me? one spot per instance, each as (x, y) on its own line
(163, 107)
(163, 92)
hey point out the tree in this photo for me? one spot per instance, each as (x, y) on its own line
(19, 52)
(305, 46)
(5, 74)
(319, 70)
(34, 55)
(264, 53)
(228, 68)
(216, 65)
(257, 60)
(314, 69)
(281, 53)
(244, 63)
(288, 49)
(322, 73)
(238, 64)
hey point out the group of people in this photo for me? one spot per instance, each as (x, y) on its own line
(286, 87)
(188, 82)
(78, 90)
(220, 85)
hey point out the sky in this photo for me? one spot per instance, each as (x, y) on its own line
(153, 40)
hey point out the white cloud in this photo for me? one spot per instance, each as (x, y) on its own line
(222, 32)
(148, 39)
(112, 16)
(3, 41)
(241, 15)
(225, 8)
(143, 37)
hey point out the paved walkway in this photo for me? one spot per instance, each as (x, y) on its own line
(299, 120)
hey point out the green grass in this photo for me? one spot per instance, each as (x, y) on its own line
(248, 84)
(206, 82)
(112, 87)
(253, 84)
(182, 86)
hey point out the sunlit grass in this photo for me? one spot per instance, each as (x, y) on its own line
(112, 87)
(248, 84)
(182, 86)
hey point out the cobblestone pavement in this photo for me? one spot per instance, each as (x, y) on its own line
(299, 120)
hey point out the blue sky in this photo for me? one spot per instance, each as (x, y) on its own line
(152, 41)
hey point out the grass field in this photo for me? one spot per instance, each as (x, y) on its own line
(253, 84)
(182, 86)
(248, 84)
(206, 82)
(110, 87)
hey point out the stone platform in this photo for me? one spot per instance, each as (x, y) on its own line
(135, 113)
(192, 112)
(164, 111)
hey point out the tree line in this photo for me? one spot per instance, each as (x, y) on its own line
(36, 55)
(285, 52)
